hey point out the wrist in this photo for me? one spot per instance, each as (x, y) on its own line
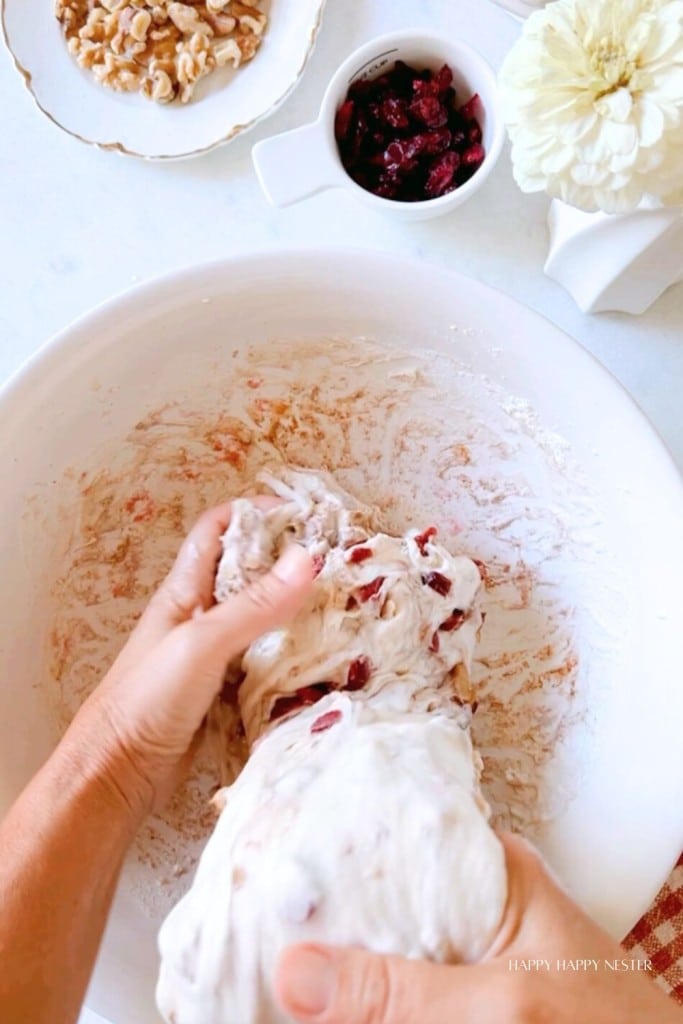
(97, 757)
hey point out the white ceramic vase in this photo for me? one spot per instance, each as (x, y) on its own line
(615, 262)
(522, 8)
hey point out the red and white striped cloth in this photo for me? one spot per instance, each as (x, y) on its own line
(658, 936)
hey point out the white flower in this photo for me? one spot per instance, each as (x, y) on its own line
(593, 100)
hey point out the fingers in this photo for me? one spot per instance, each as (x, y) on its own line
(191, 580)
(270, 601)
(524, 869)
(322, 985)
(319, 985)
(540, 914)
(198, 651)
(189, 584)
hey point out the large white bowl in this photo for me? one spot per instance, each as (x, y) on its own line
(618, 830)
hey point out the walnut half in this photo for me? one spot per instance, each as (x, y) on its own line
(161, 48)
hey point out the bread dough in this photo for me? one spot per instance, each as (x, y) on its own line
(400, 609)
(358, 818)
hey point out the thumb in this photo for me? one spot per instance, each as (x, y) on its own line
(270, 601)
(324, 985)
(201, 648)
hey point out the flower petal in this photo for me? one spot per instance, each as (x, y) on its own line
(650, 121)
(593, 101)
(617, 106)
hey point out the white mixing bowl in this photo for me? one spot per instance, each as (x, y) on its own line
(583, 534)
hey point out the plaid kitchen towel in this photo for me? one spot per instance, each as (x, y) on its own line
(658, 936)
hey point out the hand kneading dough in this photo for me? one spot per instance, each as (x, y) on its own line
(358, 818)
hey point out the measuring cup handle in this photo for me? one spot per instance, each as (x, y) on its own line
(296, 164)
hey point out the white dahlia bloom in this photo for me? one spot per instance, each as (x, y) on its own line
(593, 101)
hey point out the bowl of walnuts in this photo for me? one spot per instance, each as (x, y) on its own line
(159, 79)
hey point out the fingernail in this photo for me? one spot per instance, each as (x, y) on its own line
(293, 565)
(309, 982)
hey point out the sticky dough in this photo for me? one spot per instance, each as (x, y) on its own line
(358, 817)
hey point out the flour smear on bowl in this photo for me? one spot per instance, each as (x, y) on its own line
(426, 441)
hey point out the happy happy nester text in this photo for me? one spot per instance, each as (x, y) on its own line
(579, 965)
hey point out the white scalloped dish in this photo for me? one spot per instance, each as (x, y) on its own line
(225, 104)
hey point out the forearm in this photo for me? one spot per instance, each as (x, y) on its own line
(63, 843)
(61, 850)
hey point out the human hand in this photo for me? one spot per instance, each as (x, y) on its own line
(142, 721)
(321, 985)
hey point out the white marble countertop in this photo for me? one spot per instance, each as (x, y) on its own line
(78, 225)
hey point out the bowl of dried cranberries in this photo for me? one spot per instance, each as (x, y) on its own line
(410, 124)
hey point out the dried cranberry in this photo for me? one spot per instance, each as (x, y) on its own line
(429, 111)
(402, 136)
(402, 77)
(358, 554)
(441, 177)
(454, 621)
(343, 119)
(399, 152)
(470, 111)
(443, 79)
(474, 132)
(424, 87)
(422, 538)
(395, 112)
(438, 582)
(353, 145)
(302, 698)
(473, 157)
(283, 705)
(351, 603)
(398, 164)
(387, 187)
(359, 673)
(371, 589)
(326, 721)
(318, 564)
(374, 110)
(474, 705)
(402, 151)
(361, 88)
(434, 142)
(381, 83)
(434, 643)
(470, 165)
